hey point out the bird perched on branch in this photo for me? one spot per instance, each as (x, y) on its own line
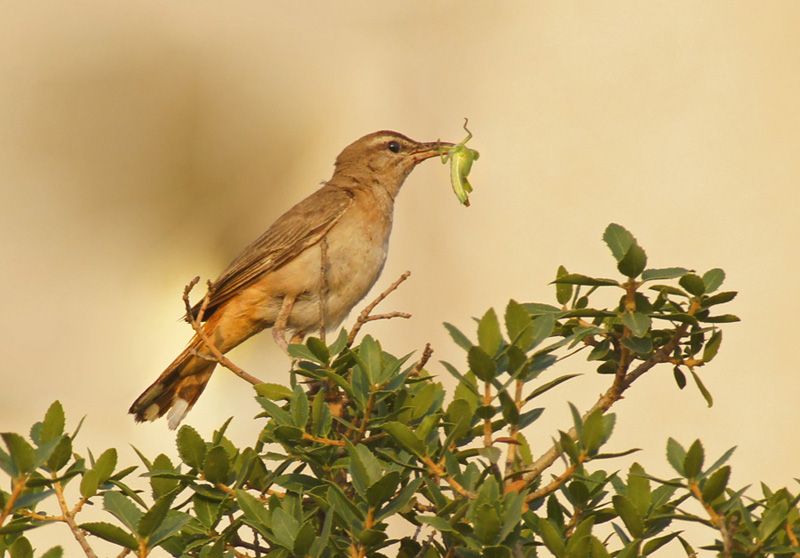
(336, 239)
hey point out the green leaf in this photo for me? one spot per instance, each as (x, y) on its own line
(53, 424)
(639, 345)
(693, 462)
(172, 524)
(161, 486)
(274, 392)
(578, 279)
(598, 549)
(508, 407)
(21, 549)
(401, 500)
(549, 385)
(639, 489)
(460, 339)
(369, 353)
(712, 346)
(405, 437)
(365, 469)
(299, 407)
(281, 416)
(486, 523)
(552, 539)
(518, 324)
(89, 483)
(216, 465)
(111, 533)
(593, 434)
(22, 455)
(321, 419)
(721, 319)
(542, 329)
(191, 447)
(284, 528)
(634, 261)
(663, 273)
(459, 419)
(61, 454)
(563, 292)
(304, 539)
(772, 519)
(580, 543)
(680, 377)
(712, 279)
(600, 351)
(716, 483)
(693, 284)
(568, 446)
(654, 544)
(106, 464)
(123, 509)
(481, 364)
(676, 455)
(638, 323)
(302, 352)
(383, 489)
(706, 394)
(619, 240)
(719, 298)
(318, 348)
(55, 552)
(339, 344)
(438, 523)
(254, 510)
(627, 512)
(489, 336)
(153, 517)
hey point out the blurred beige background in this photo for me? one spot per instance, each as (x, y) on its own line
(144, 143)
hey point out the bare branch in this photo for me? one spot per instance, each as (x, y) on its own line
(197, 325)
(365, 315)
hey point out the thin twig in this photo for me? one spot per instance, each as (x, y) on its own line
(717, 520)
(365, 316)
(437, 471)
(197, 325)
(557, 482)
(69, 519)
(427, 352)
(19, 486)
(513, 429)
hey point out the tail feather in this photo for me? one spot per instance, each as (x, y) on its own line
(176, 390)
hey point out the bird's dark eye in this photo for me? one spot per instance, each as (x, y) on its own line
(393, 146)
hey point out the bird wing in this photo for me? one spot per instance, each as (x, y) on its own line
(299, 228)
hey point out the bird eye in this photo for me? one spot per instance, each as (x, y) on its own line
(393, 146)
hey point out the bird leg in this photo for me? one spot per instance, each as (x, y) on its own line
(279, 327)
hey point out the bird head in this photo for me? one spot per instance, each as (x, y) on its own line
(388, 157)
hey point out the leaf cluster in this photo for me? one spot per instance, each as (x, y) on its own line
(362, 438)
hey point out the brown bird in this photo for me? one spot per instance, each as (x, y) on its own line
(275, 282)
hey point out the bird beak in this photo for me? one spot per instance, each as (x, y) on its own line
(431, 149)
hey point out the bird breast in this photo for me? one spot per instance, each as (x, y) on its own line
(355, 252)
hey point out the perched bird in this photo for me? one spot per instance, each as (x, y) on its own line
(275, 282)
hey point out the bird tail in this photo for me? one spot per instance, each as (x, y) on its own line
(177, 388)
